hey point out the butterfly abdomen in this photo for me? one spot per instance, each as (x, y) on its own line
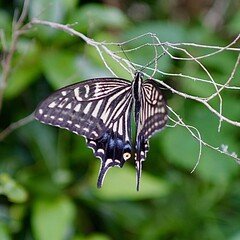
(136, 86)
(136, 93)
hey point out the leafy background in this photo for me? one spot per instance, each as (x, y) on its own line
(48, 176)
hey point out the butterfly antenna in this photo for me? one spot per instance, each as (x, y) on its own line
(151, 62)
(126, 56)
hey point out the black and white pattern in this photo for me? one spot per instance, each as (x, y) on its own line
(100, 110)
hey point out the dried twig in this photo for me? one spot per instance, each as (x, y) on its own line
(222, 149)
(15, 125)
(7, 60)
(102, 48)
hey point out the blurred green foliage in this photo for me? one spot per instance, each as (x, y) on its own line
(48, 176)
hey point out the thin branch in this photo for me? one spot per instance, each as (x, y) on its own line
(15, 125)
(228, 81)
(3, 40)
(24, 13)
(207, 46)
(222, 149)
(209, 75)
(216, 14)
(67, 29)
(6, 62)
(198, 99)
(221, 49)
(102, 48)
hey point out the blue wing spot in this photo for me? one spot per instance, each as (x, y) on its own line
(127, 147)
(112, 143)
(119, 142)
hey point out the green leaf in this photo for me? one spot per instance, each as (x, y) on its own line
(97, 236)
(166, 31)
(199, 116)
(231, 110)
(114, 65)
(235, 236)
(54, 11)
(196, 88)
(47, 10)
(4, 232)
(182, 149)
(59, 67)
(53, 218)
(70, 4)
(179, 152)
(217, 168)
(9, 187)
(94, 236)
(120, 184)
(5, 22)
(219, 66)
(233, 26)
(26, 70)
(64, 67)
(42, 140)
(93, 17)
(87, 69)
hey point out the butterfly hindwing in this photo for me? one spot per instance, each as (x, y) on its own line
(114, 146)
(152, 117)
(153, 114)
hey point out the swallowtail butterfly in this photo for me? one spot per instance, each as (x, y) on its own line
(100, 110)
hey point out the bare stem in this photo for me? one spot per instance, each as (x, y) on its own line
(102, 48)
(6, 61)
(15, 125)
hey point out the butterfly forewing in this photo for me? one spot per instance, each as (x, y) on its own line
(152, 118)
(84, 108)
(98, 109)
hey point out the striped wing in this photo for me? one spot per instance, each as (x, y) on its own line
(99, 110)
(152, 117)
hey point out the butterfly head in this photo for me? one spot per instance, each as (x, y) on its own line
(139, 75)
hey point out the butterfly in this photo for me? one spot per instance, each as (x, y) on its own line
(100, 109)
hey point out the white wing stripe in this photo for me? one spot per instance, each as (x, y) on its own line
(97, 108)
